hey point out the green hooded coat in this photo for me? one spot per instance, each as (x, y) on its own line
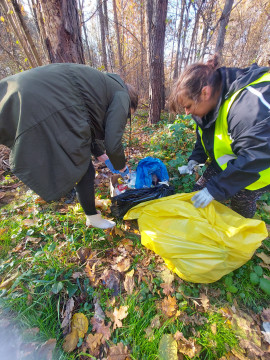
(52, 118)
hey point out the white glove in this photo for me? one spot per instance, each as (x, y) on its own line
(202, 198)
(189, 168)
(191, 165)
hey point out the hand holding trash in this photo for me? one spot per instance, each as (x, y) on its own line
(189, 168)
(202, 198)
(124, 172)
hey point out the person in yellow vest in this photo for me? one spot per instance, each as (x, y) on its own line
(231, 108)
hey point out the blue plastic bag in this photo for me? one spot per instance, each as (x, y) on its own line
(148, 167)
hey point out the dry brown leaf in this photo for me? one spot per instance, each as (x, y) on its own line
(90, 272)
(118, 231)
(245, 329)
(264, 257)
(122, 265)
(205, 302)
(265, 315)
(167, 276)
(46, 349)
(117, 315)
(8, 282)
(30, 222)
(214, 328)
(118, 352)
(93, 342)
(83, 254)
(239, 355)
(112, 281)
(251, 348)
(187, 346)
(129, 282)
(71, 341)
(155, 323)
(80, 323)
(169, 306)
(68, 313)
(127, 244)
(167, 288)
(100, 327)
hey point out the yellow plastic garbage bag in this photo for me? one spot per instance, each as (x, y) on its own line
(199, 245)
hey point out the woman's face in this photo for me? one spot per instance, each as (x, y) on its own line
(199, 108)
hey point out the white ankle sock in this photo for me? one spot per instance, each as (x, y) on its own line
(98, 222)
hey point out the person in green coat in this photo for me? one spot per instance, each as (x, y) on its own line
(53, 118)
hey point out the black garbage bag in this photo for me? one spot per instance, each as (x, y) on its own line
(125, 201)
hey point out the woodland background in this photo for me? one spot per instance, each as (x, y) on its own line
(147, 42)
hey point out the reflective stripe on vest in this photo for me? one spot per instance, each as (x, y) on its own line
(222, 140)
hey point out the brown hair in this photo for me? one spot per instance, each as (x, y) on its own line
(193, 79)
(133, 94)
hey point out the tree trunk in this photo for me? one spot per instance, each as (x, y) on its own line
(63, 32)
(20, 36)
(120, 61)
(179, 33)
(33, 48)
(85, 32)
(156, 15)
(222, 29)
(107, 34)
(102, 33)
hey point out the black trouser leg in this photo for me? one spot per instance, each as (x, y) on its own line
(244, 202)
(85, 191)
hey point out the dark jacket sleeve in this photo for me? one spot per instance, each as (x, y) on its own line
(97, 148)
(116, 119)
(249, 126)
(198, 153)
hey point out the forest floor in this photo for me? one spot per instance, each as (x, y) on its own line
(71, 292)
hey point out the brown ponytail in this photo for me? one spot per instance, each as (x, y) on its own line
(193, 79)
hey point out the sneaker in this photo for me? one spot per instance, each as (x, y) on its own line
(98, 222)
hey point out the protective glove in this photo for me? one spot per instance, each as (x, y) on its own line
(189, 168)
(191, 165)
(124, 173)
(110, 166)
(202, 198)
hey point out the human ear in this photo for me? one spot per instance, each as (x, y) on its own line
(206, 93)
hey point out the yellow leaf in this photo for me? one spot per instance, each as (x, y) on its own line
(80, 323)
(167, 348)
(17, 42)
(2, 18)
(71, 341)
(25, 59)
(264, 257)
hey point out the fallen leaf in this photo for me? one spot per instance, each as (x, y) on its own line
(169, 306)
(30, 222)
(118, 231)
(93, 342)
(187, 346)
(46, 350)
(71, 341)
(83, 254)
(167, 276)
(167, 349)
(68, 313)
(117, 315)
(265, 315)
(122, 266)
(111, 279)
(205, 302)
(167, 288)
(80, 323)
(118, 352)
(264, 257)
(8, 282)
(129, 282)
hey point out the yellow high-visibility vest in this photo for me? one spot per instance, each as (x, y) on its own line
(222, 140)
